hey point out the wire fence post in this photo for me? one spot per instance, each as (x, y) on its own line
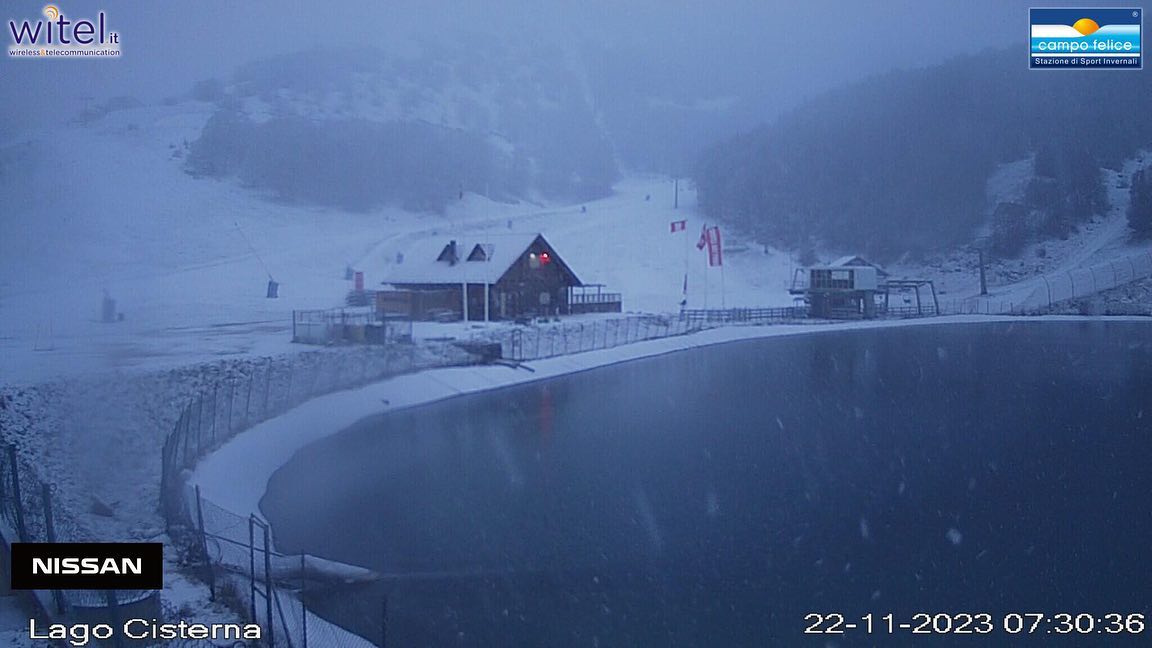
(215, 401)
(17, 501)
(248, 400)
(231, 399)
(185, 435)
(199, 424)
(208, 571)
(252, 565)
(267, 390)
(288, 391)
(303, 605)
(384, 622)
(50, 537)
(268, 592)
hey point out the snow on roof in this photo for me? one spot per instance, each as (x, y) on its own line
(420, 265)
(855, 260)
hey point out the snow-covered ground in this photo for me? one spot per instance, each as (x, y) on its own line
(109, 207)
(1014, 281)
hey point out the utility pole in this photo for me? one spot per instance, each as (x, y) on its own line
(676, 193)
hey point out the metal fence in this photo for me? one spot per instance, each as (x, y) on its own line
(549, 341)
(232, 552)
(266, 390)
(1061, 286)
(27, 515)
(354, 325)
(746, 315)
(239, 564)
(983, 306)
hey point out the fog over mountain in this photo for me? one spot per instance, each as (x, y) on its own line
(900, 162)
(755, 58)
(411, 103)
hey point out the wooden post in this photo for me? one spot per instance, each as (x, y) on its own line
(464, 300)
(486, 297)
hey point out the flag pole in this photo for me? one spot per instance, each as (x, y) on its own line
(723, 292)
(707, 275)
(687, 255)
(720, 262)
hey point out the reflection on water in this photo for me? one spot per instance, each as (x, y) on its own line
(715, 496)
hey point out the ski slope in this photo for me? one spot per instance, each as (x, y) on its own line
(107, 206)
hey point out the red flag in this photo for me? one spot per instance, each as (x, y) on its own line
(715, 250)
(703, 238)
(679, 226)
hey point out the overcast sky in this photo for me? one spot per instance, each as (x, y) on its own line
(781, 50)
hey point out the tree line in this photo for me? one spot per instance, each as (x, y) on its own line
(900, 162)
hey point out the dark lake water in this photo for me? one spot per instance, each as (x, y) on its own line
(715, 496)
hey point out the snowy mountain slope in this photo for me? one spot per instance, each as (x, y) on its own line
(1015, 281)
(362, 128)
(108, 206)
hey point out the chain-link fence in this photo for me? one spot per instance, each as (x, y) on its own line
(552, 340)
(27, 515)
(982, 306)
(355, 325)
(266, 390)
(234, 552)
(549, 341)
(271, 588)
(1062, 286)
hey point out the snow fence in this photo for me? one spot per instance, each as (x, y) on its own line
(1062, 286)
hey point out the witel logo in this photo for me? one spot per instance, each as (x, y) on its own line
(56, 35)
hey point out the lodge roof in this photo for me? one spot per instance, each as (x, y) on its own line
(858, 261)
(483, 259)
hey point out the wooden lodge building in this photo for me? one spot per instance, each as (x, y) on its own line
(498, 278)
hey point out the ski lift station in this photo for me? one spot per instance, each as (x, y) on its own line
(854, 288)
